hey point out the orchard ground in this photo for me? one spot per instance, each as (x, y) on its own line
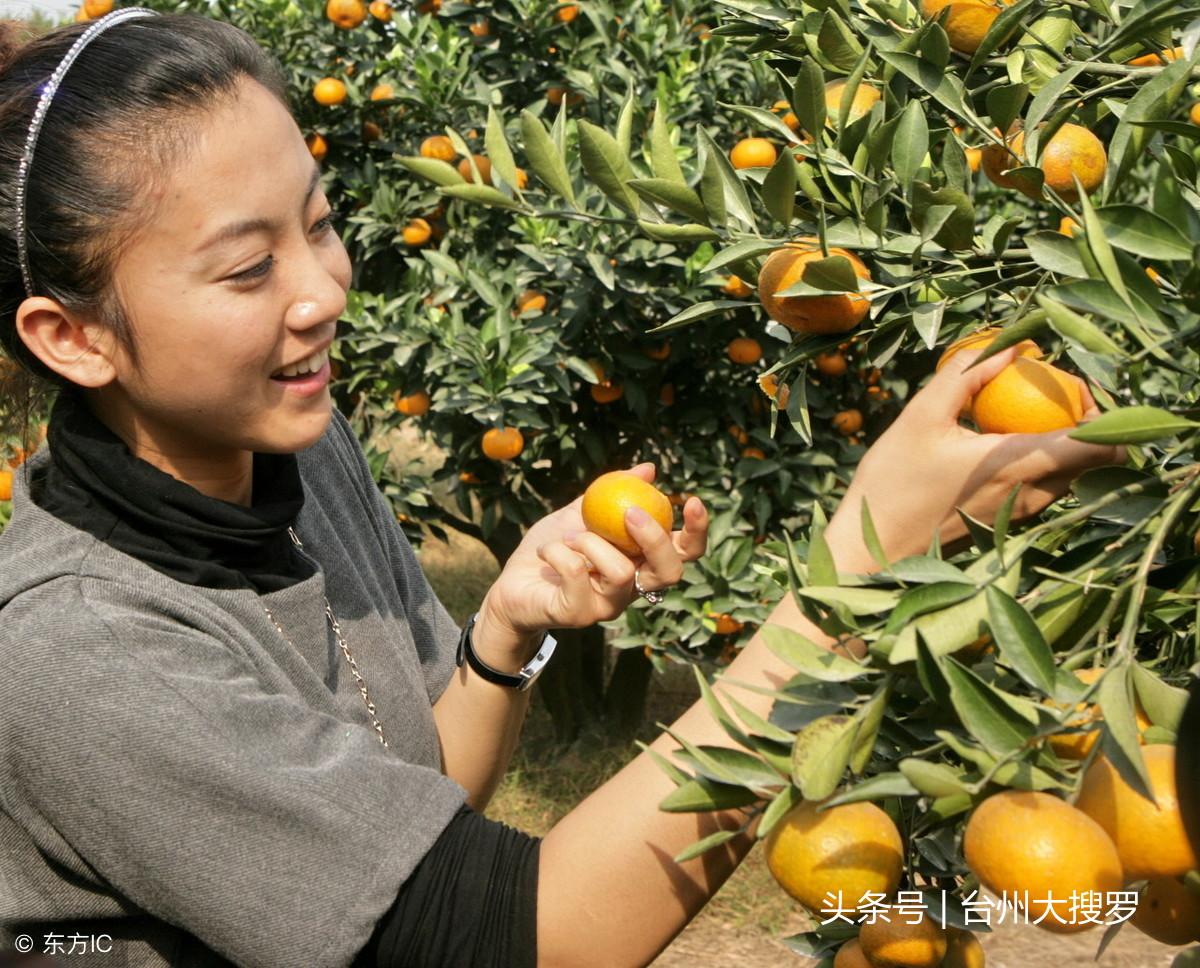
(743, 923)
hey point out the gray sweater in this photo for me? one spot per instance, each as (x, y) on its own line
(171, 769)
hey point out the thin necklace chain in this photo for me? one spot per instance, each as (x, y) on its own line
(337, 631)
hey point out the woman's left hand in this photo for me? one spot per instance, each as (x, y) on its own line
(564, 576)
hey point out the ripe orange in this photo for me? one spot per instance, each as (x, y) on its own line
(318, 147)
(607, 392)
(381, 10)
(666, 394)
(658, 352)
(1075, 746)
(417, 232)
(383, 92)
(831, 364)
(413, 404)
(566, 13)
(5, 485)
(974, 159)
(753, 453)
(1194, 113)
(429, 6)
(555, 96)
(346, 14)
(503, 443)
(97, 8)
(1027, 397)
(865, 96)
(726, 623)
(737, 288)
(744, 351)
(1073, 150)
(484, 166)
(809, 314)
(897, 944)
(531, 301)
(738, 434)
(789, 118)
(852, 850)
(1168, 912)
(753, 153)
(1067, 226)
(1156, 60)
(963, 950)
(770, 385)
(20, 454)
(468, 477)
(610, 495)
(81, 15)
(438, 146)
(983, 338)
(850, 955)
(1150, 837)
(1019, 840)
(848, 422)
(967, 21)
(480, 28)
(371, 131)
(329, 91)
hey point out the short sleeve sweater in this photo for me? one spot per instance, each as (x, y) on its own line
(167, 758)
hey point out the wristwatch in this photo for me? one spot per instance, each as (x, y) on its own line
(523, 679)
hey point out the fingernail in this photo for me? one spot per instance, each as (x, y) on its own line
(637, 516)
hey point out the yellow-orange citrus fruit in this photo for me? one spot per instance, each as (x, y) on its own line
(849, 851)
(865, 96)
(371, 131)
(429, 6)
(503, 443)
(607, 392)
(329, 91)
(438, 146)
(1020, 840)
(963, 950)
(1027, 397)
(531, 301)
(834, 313)
(417, 232)
(1150, 837)
(5, 485)
(726, 623)
(831, 364)
(850, 955)
(1073, 150)
(744, 350)
(1156, 60)
(1153, 276)
(480, 28)
(383, 92)
(974, 159)
(1075, 746)
(770, 385)
(753, 453)
(522, 179)
(346, 13)
(967, 21)
(412, 404)
(1168, 912)
(848, 422)
(789, 117)
(381, 10)
(737, 288)
(484, 166)
(20, 454)
(81, 15)
(666, 394)
(895, 943)
(753, 153)
(318, 147)
(1067, 226)
(981, 340)
(658, 352)
(468, 477)
(738, 434)
(610, 495)
(1194, 113)
(97, 8)
(556, 94)
(566, 13)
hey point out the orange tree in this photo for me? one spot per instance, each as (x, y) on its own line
(992, 718)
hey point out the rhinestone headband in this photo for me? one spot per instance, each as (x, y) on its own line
(39, 115)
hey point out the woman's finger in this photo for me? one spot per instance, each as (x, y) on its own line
(1032, 457)
(575, 589)
(942, 399)
(663, 564)
(692, 541)
(610, 566)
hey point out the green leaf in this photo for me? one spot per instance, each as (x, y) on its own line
(1076, 328)
(932, 779)
(1138, 230)
(734, 192)
(1048, 96)
(808, 97)
(822, 754)
(779, 188)
(606, 166)
(667, 232)
(757, 725)
(1132, 425)
(500, 154)
(785, 801)
(1101, 251)
(545, 159)
(1004, 103)
(1122, 742)
(944, 88)
(676, 196)
(704, 796)
(910, 143)
(625, 123)
(1000, 30)
(746, 249)
(869, 718)
(1020, 641)
(925, 570)
(986, 713)
(696, 311)
(484, 195)
(705, 845)
(1164, 704)
(663, 162)
(712, 189)
(860, 601)
(837, 41)
(717, 711)
(807, 657)
(831, 274)
(871, 537)
(433, 169)
(878, 787)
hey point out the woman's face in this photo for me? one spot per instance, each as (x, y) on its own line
(237, 273)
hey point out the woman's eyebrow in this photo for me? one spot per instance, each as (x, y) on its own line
(235, 230)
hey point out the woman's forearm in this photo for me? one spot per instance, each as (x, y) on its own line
(609, 892)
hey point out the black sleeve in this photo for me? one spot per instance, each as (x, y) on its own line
(471, 901)
(1187, 766)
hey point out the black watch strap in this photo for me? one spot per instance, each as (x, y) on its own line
(523, 679)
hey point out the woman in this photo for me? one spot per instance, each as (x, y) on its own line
(235, 726)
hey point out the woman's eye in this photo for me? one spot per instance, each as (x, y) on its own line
(324, 224)
(256, 272)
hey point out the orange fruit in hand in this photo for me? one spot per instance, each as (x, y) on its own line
(753, 153)
(736, 287)
(438, 146)
(865, 96)
(849, 850)
(417, 232)
(484, 166)
(412, 405)
(963, 950)
(503, 443)
(5, 485)
(346, 13)
(1019, 840)
(967, 21)
(744, 351)
(1150, 837)
(1027, 397)
(835, 313)
(318, 147)
(981, 340)
(1168, 912)
(850, 955)
(896, 943)
(329, 91)
(1072, 150)
(848, 422)
(610, 495)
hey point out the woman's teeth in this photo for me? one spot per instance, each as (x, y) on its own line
(311, 365)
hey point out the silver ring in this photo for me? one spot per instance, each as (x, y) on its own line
(654, 598)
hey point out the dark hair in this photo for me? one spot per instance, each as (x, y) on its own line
(123, 118)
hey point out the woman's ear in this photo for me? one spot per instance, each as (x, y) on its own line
(78, 349)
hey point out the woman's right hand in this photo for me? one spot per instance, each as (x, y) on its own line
(927, 464)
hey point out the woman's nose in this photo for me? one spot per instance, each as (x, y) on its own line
(319, 299)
